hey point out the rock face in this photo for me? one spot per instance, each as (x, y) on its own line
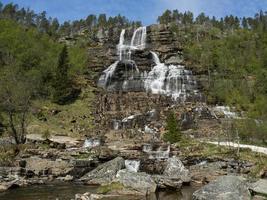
(165, 182)
(104, 173)
(176, 169)
(260, 187)
(139, 181)
(224, 188)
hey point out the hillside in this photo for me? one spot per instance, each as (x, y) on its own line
(136, 110)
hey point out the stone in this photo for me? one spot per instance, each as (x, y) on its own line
(164, 182)
(67, 178)
(22, 163)
(174, 60)
(104, 173)
(139, 181)
(176, 169)
(260, 187)
(52, 167)
(224, 188)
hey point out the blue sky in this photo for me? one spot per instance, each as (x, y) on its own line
(146, 11)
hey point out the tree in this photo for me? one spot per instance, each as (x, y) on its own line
(62, 83)
(174, 134)
(16, 92)
(165, 18)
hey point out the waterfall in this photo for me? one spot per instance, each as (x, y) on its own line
(120, 46)
(171, 80)
(132, 165)
(158, 154)
(155, 58)
(124, 51)
(109, 72)
(139, 38)
(90, 143)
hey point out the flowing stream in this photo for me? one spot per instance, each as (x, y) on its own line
(68, 191)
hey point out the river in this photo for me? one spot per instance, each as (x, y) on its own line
(68, 191)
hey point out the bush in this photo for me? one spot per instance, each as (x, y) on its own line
(46, 134)
(174, 134)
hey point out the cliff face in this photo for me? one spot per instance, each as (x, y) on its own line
(139, 82)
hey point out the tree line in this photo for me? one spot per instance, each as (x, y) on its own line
(258, 22)
(52, 26)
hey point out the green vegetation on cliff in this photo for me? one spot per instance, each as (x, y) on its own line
(232, 52)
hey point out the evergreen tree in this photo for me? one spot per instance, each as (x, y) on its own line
(173, 135)
(62, 84)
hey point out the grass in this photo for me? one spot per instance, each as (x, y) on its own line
(194, 148)
(70, 120)
(104, 189)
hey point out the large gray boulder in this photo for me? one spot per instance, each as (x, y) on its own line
(104, 173)
(260, 187)
(224, 188)
(176, 169)
(138, 181)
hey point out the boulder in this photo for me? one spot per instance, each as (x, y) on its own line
(224, 188)
(138, 181)
(177, 170)
(260, 187)
(104, 173)
(164, 182)
(48, 167)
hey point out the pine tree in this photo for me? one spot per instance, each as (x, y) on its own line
(174, 134)
(62, 84)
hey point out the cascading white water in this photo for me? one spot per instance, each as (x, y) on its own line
(171, 80)
(132, 165)
(90, 143)
(138, 41)
(110, 71)
(120, 45)
(139, 38)
(158, 154)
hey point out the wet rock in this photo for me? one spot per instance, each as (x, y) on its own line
(176, 169)
(174, 60)
(139, 181)
(67, 178)
(260, 187)
(104, 173)
(165, 182)
(224, 188)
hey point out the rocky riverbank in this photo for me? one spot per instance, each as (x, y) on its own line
(130, 170)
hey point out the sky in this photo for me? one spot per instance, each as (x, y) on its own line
(146, 11)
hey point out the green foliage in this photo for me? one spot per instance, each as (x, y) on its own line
(115, 186)
(174, 134)
(62, 83)
(46, 134)
(252, 131)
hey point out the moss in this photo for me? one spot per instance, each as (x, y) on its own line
(104, 189)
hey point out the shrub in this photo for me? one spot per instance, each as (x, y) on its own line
(174, 134)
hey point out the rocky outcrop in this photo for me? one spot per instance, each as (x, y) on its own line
(139, 181)
(224, 188)
(104, 173)
(176, 169)
(165, 182)
(259, 188)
